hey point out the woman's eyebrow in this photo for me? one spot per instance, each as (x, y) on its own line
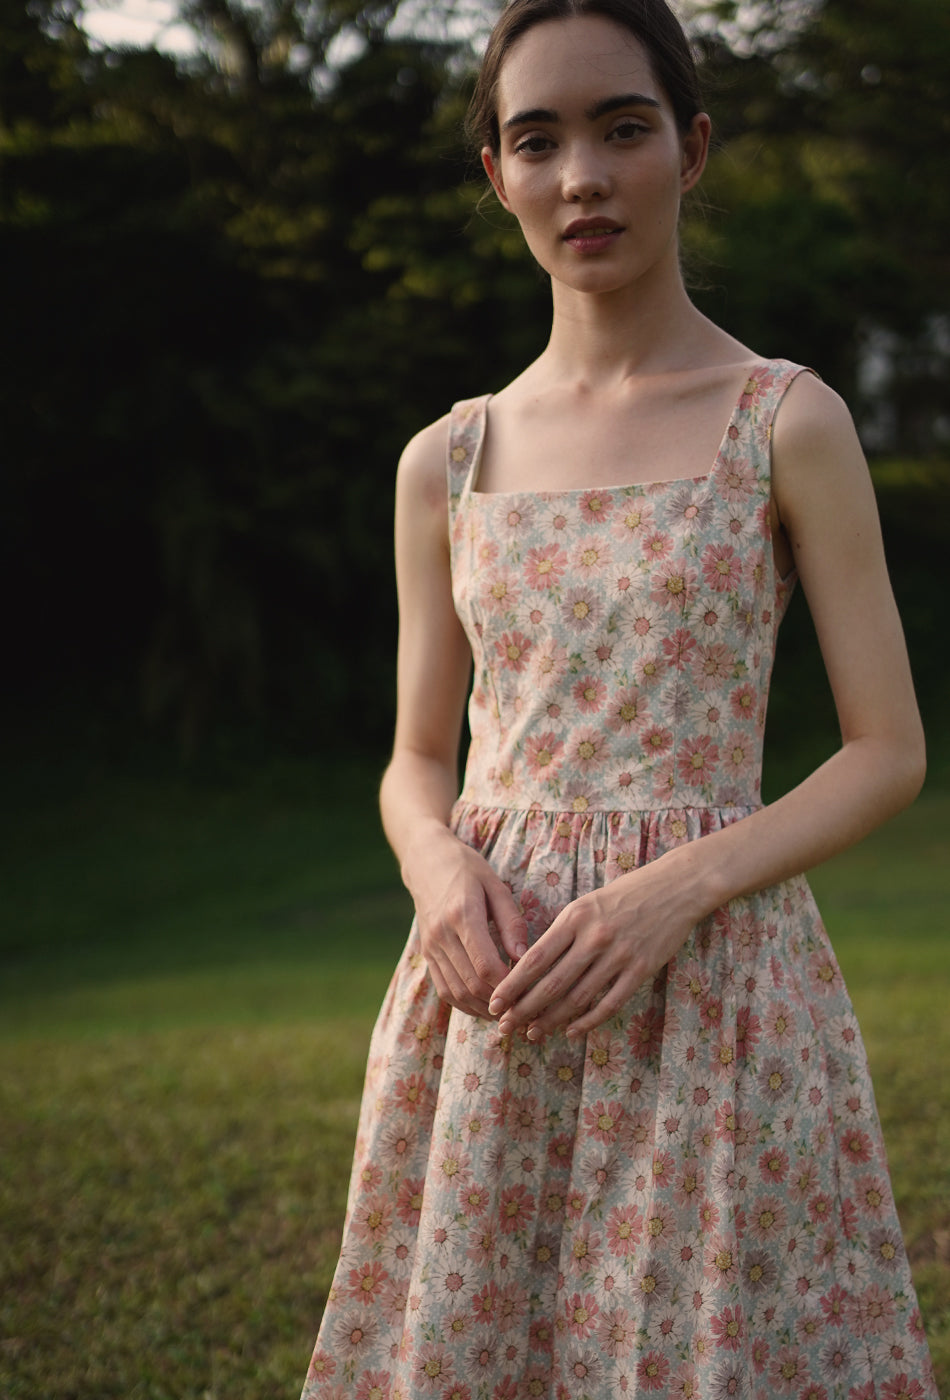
(599, 109)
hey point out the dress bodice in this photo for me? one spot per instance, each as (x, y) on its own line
(623, 637)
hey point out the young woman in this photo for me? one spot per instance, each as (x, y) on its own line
(618, 1135)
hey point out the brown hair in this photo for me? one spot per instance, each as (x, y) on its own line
(651, 22)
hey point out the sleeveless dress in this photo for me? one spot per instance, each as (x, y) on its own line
(694, 1200)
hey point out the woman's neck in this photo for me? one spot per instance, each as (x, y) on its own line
(600, 341)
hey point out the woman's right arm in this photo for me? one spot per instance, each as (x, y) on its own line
(455, 891)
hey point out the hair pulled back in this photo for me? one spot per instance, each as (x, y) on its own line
(651, 22)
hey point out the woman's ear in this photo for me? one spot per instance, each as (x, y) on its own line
(493, 171)
(695, 151)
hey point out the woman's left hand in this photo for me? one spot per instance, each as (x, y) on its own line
(597, 952)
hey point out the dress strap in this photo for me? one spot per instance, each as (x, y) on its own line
(759, 402)
(466, 433)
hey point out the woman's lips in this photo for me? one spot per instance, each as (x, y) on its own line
(591, 235)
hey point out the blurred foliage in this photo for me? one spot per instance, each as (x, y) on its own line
(234, 284)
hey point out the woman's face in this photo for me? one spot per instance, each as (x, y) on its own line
(591, 161)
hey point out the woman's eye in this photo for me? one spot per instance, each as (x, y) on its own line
(533, 145)
(628, 130)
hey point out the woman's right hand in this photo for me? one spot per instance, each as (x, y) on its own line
(470, 927)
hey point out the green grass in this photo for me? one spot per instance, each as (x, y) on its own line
(190, 976)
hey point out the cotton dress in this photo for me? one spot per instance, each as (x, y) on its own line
(693, 1200)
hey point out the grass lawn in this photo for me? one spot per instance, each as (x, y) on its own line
(189, 978)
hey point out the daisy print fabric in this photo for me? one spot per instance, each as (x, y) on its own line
(692, 1201)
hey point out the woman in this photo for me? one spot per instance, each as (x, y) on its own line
(618, 1135)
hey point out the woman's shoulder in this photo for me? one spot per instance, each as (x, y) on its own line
(811, 414)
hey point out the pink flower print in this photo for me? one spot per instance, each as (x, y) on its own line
(409, 1200)
(744, 701)
(872, 1196)
(856, 1146)
(679, 648)
(501, 591)
(366, 1283)
(616, 1333)
(625, 710)
(548, 662)
(586, 1250)
(588, 747)
(587, 1369)
(657, 740)
(653, 1371)
(603, 1122)
(374, 1385)
(756, 387)
(698, 760)
(759, 1271)
(754, 570)
(674, 584)
(513, 649)
(902, 1388)
(581, 1312)
(473, 1199)
(589, 694)
(526, 1118)
(322, 1366)
(543, 754)
(544, 566)
(591, 556)
(657, 545)
(541, 1336)
(354, 1333)
(645, 1033)
(582, 610)
(486, 553)
(515, 516)
(775, 1078)
(767, 1218)
(824, 976)
(624, 857)
(712, 665)
(634, 517)
(413, 1094)
(778, 1023)
(512, 1306)
(485, 1302)
(738, 481)
(721, 1263)
(372, 1218)
(432, 1367)
(722, 568)
(803, 1180)
(605, 1054)
(624, 1230)
(728, 1329)
(692, 508)
(660, 1224)
(654, 1282)
(596, 506)
(689, 1184)
(649, 670)
(737, 755)
(516, 1208)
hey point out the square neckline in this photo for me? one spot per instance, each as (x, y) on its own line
(629, 487)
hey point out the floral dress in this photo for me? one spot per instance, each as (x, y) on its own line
(693, 1200)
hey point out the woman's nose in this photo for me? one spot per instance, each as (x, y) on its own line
(584, 174)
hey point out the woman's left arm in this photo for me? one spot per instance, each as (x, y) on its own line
(601, 947)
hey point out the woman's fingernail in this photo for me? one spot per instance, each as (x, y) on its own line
(496, 1005)
(521, 949)
(533, 1033)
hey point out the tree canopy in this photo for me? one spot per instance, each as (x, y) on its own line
(234, 283)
